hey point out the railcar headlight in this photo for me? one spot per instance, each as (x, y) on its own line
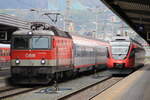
(43, 61)
(17, 61)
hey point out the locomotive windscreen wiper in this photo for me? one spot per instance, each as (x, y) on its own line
(38, 39)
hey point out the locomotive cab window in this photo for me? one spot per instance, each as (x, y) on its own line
(40, 43)
(31, 42)
(21, 43)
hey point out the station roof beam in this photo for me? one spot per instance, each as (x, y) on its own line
(9, 24)
(136, 13)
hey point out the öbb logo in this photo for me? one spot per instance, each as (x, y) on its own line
(30, 55)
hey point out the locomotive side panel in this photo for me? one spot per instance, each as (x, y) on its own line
(63, 51)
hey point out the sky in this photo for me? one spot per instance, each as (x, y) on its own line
(48, 4)
(23, 4)
(81, 10)
(75, 4)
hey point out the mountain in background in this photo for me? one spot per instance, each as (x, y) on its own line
(82, 13)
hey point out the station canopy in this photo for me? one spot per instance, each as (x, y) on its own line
(136, 13)
(9, 24)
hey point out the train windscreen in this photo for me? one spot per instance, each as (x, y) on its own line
(119, 49)
(21, 43)
(40, 43)
(31, 42)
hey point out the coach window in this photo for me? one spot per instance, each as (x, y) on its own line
(7, 52)
(0, 52)
(78, 51)
(4, 53)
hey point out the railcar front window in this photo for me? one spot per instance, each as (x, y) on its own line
(40, 43)
(120, 50)
(21, 43)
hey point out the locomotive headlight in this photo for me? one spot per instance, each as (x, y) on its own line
(43, 61)
(30, 33)
(17, 61)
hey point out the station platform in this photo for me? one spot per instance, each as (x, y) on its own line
(134, 87)
(4, 75)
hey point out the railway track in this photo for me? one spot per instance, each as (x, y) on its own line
(6, 92)
(4, 89)
(10, 91)
(93, 90)
(75, 88)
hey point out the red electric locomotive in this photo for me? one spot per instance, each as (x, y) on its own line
(125, 53)
(42, 54)
(4, 56)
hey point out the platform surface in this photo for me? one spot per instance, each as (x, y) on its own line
(4, 75)
(134, 87)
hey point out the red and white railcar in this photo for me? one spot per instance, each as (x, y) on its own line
(125, 53)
